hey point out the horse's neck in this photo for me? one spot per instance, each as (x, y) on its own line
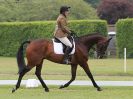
(89, 41)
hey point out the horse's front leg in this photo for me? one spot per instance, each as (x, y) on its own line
(88, 72)
(73, 73)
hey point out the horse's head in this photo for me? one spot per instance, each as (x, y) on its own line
(102, 47)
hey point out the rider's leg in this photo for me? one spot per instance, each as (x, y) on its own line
(65, 41)
(66, 55)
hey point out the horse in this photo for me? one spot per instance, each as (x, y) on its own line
(40, 49)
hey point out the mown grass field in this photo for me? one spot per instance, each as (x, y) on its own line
(72, 92)
(105, 69)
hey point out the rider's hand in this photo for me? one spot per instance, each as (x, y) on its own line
(72, 31)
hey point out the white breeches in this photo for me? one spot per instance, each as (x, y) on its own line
(65, 41)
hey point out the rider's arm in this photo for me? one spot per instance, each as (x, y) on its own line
(64, 27)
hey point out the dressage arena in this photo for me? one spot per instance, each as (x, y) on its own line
(108, 73)
(39, 37)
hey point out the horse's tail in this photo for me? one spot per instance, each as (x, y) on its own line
(20, 57)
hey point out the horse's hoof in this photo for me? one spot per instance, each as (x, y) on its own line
(62, 86)
(13, 90)
(46, 90)
(99, 89)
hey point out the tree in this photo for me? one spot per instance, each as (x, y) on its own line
(94, 3)
(36, 10)
(112, 10)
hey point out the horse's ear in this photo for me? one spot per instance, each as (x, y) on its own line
(109, 39)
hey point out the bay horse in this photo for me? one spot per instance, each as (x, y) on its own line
(40, 49)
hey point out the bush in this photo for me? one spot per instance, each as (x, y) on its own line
(12, 34)
(38, 10)
(112, 10)
(83, 27)
(125, 37)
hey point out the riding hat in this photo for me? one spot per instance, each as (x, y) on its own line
(64, 8)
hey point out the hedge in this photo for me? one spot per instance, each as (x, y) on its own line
(125, 37)
(12, 34)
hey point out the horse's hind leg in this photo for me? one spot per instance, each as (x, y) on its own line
(38, 74)
(88, 72)
(21, 74)
(73, 73)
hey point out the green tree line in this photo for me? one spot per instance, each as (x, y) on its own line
(37, 10)
(94, 3)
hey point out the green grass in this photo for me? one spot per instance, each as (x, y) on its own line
(105, 69)
(72, 92)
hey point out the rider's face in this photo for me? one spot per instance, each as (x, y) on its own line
(66, 13)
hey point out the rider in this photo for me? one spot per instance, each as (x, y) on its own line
(62, 31)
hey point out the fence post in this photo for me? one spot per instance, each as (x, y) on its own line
(125, 61)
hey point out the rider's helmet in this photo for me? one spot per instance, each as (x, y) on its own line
(64, 8)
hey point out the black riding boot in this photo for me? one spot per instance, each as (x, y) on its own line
(66, 55)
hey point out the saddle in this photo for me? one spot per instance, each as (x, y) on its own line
(59, 47)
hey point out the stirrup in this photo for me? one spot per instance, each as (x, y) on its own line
(66, 62)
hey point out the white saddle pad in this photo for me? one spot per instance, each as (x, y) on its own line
(58, 48)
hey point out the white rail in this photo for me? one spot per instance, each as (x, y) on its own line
(77, 82)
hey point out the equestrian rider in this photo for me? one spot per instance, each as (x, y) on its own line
(62, 32)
